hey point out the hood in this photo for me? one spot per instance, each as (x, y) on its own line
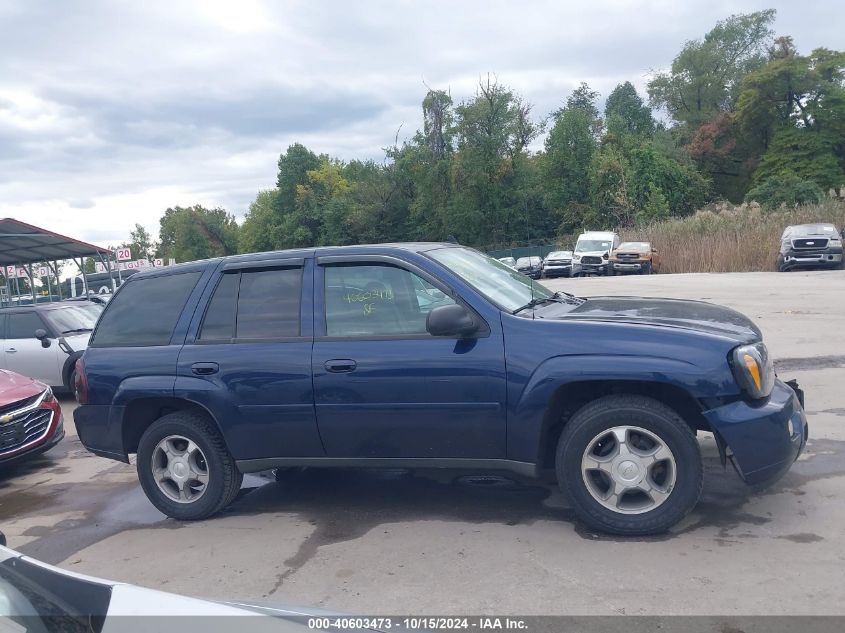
(677, 313)
(78, 342)
(14, 387)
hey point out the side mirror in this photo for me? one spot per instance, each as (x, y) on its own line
(450, 320)
(41, 335)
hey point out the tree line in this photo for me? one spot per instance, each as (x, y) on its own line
(739, 115)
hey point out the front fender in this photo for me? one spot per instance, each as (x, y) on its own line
(529, 403)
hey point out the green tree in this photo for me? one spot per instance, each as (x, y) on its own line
(190, 233)
(785, 189)
(792, 110)
(626, 107)
(490, 202)
(565, 165)
(705, 77)
(294, 164)
(261, 228)
(141, 243)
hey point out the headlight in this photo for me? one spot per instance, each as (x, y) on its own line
(576, 258)
(753, 369)
(836, 243)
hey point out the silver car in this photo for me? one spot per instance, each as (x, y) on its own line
(43, 341)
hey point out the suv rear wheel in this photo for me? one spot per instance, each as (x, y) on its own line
(184, 467)
(630, 465)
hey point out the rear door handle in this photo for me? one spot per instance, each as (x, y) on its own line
(205, 369)
(340, 365)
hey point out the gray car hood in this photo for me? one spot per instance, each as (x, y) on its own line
(679, 313)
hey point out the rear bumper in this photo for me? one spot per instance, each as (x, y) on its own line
(99, 430)
(764, 438)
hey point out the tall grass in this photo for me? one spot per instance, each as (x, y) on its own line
(730, 239)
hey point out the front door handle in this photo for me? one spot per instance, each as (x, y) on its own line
(340, 365)
(205, 369)
(11, 350)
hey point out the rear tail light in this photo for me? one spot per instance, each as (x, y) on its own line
(80, 383)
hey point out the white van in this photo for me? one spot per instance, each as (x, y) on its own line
(592, 251)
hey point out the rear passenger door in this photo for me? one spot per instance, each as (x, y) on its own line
(248, 358)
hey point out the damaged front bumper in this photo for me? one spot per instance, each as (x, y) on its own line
(763, 438)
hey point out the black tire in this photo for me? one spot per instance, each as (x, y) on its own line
(71, 381)
(648, 414)
(781, 265)
(224, 478)
(646, 269)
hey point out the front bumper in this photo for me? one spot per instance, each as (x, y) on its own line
(590, 269)
(557, 271)
(826, 257)
(628, 266)
(55, 433)
(765, 438)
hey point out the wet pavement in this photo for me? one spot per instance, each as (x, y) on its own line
(400, 541)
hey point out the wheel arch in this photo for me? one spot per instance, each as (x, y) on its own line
(139, 413)
(569, 397)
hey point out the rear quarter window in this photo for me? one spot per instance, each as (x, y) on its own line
(145, 311)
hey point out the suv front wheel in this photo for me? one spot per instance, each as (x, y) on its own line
(630, 465)
(184, 467)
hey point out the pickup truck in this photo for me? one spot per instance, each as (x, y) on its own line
(426, 356)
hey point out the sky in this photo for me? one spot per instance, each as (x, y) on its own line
(112, 110)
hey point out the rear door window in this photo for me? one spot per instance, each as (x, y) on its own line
(268, 306)
(145, 311)
(219, 321)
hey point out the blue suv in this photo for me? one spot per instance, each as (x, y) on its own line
(426, 355)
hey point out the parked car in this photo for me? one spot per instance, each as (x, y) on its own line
(558, 264)
(592, 251)
(38, 597)
(326, 357)
(43, 341)
(635, 257)
(810, 246)
(30, 418)
(508, 261)
(530, 266)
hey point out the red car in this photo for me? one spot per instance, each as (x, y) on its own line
(30, 417)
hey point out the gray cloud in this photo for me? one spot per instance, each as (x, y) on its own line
(110, 112)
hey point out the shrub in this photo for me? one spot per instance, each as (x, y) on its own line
(786, 190)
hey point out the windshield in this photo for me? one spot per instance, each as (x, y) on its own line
(633, 246)
(73, 319)
(504, 286)
(589, 246)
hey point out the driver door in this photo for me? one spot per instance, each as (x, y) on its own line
(384, 387)
(24, 354)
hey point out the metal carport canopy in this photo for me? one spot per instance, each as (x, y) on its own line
(22, 243)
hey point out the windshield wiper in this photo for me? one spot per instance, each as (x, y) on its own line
(538, 301)
(79, 329)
